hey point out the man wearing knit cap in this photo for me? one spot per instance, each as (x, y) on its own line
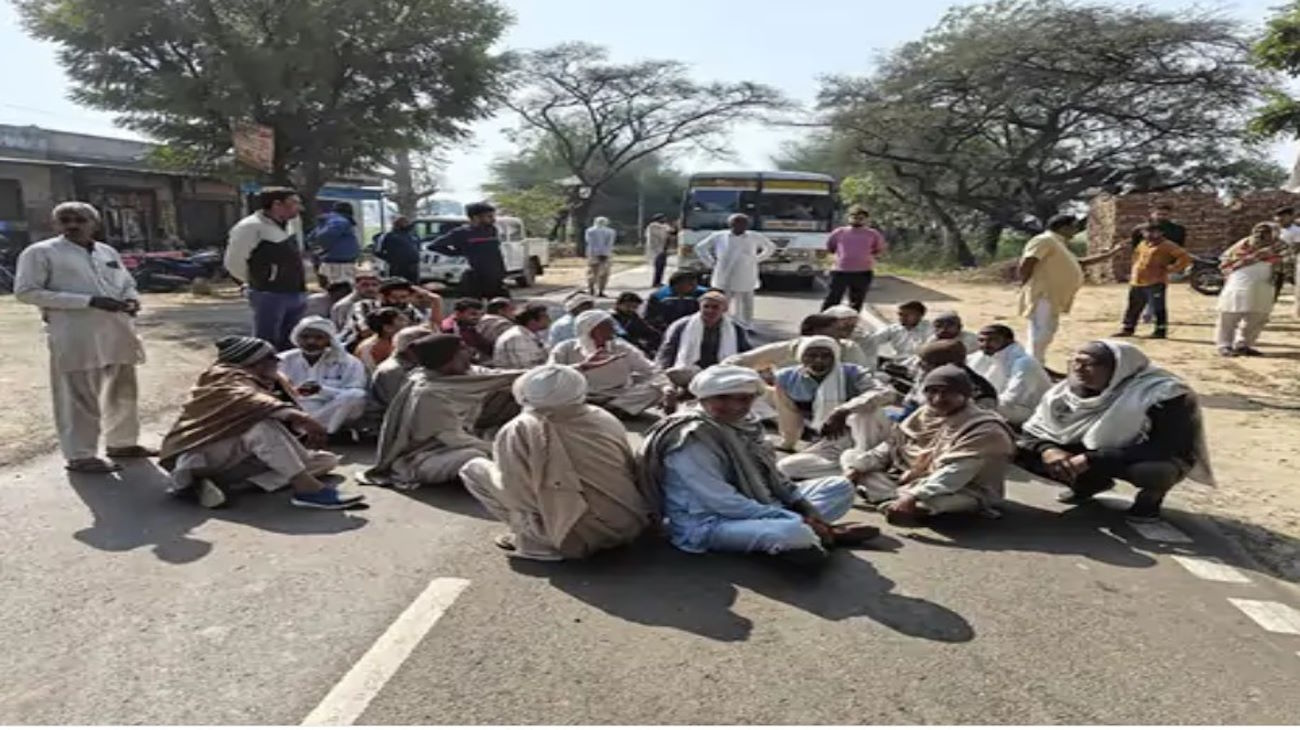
(563, 478)
(721, 487)
(242, 424)
(949, 456)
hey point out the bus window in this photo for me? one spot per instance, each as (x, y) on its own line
(710, 209)
(793, 212)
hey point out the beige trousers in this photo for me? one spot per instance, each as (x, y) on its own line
(598, 275)
(482, 479)
(1239, 329)
(267, 455)
(1043, 323)
(82, 398)
(742, 307)
(434, 467)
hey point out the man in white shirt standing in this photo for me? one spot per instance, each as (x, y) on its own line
(734, 256)
(88, 301)
(264, 254)
(600, 248)
(657, 233)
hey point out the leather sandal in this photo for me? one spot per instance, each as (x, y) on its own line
(92, 465)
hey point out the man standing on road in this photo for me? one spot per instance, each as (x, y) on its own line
(856, 247)
(480, 245)
(1050, 277)
(400, 250)
(1153, 261)
(89, 302)
(657, 234)
(1160, 215)
(734, 256)
(600, 240)
(265, 256)
(336, 238)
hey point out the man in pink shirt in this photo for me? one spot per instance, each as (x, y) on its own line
(856, 247)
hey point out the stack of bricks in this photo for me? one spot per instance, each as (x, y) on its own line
(1211, 225)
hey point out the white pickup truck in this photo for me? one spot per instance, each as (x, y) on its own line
(525, 258)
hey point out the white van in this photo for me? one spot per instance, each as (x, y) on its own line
(525, 258)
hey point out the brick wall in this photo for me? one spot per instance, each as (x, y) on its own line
(1211, 225)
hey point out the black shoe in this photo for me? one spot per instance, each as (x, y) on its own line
(1123, 333)
(1159, 335)
(1142, 515)
(809, 558)
(1070, 496)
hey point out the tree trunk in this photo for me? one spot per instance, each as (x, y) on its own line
(953, 236)
(990, 236)
(581, 218)
(406, 196)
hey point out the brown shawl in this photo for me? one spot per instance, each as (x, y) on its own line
(929, 441)
(226, 401)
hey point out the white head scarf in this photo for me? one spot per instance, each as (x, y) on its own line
(577, 300)
(318, 324)
(550, 386)
(725, 380)
(584, 323)
(831, 390)
(841, 311)
(76, 206)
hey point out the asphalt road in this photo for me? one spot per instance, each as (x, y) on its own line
(123, 606)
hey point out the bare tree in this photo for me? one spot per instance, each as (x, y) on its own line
(600, 117)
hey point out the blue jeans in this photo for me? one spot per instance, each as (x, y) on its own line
(275, 314)
(832, 496)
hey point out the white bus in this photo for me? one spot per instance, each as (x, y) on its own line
(796, 210)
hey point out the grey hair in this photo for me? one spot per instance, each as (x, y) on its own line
(736, 216)
(76, 206)
(601, 220)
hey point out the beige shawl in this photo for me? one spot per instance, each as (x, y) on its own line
(226, 401)
(572, 466)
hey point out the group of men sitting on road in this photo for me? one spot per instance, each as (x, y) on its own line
(527, 415)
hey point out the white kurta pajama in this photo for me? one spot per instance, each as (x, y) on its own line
(1019, 379)
(1245, 305)
(734, 260)
(342, 378)
(630, 383)
(93, 353)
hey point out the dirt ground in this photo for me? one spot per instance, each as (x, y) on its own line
(1252, 405)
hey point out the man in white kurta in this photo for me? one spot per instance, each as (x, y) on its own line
(88, 301)
(1021, 381)
(619, 377)
(331, 384)
(734, 256)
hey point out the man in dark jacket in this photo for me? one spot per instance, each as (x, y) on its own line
(336, 239)
(479, 244)
(400, 250)
(680, 298)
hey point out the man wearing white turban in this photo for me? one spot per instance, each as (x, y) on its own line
(562, 328)
(721, 488)
(619, 377)
(840, 402)
(563, 478)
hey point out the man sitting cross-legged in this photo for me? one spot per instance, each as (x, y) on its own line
(390, 376)
(1117, 417)
(700, 340)
(1019, 379)
(238, 424)
(435, 425)
(330, 383)
(903, 338)
(950, 456)
(785, 353)
(619, 378)
(563, 477)
(721, 488)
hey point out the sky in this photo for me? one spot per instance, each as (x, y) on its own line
(770, 41)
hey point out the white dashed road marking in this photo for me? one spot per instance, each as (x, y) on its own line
(1211, 569)
(1270, 615)
(1160, 532)
(350, 697)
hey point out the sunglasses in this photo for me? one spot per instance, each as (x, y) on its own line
(73, 219)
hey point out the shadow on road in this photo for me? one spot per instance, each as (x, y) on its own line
(657, 585)
(131, 509)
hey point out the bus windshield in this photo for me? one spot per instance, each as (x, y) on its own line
(795, 212)
(709, 209)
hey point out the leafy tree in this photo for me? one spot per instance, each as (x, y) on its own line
(1016, 108)
(412, 177)
(339, 81)
(536, 206)
(599, 118)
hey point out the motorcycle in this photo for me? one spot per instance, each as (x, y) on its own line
(152, 277)
(1206, 277)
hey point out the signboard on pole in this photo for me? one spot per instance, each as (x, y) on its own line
(255, 145)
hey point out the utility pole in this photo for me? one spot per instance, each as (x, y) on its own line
(640, 205)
